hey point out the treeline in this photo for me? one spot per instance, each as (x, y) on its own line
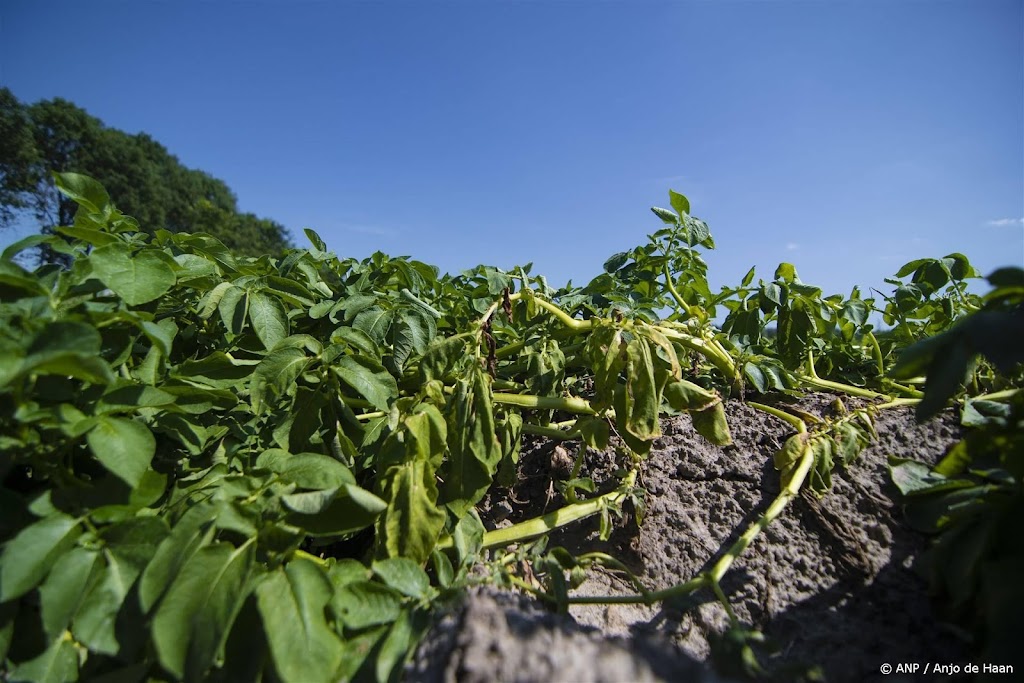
(150, 184)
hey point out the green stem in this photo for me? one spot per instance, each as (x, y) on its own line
(551, 432)
(811, 378)
(312, 558)
(510, 349)
(563, 317)
(997, 395)
(675, 293)
(570, 403)
(539, 526)
(909, 391)
(719, 569)
(799, 425)
(649, 598)
(838, 386)
(718, 357)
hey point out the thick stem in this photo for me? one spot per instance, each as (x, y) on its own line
(551, 432)
(719, 569)
(570, 404)
(719, 358)
(539, 526)
(799, 425)
(675, 293)
(819, 383)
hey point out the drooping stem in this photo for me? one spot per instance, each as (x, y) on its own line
(713, 576)
(811, 378)
(551, 432)
(713, 352)
(539, 526)
(569, 403)
(670, 285)
(799, 425)
(723, 564)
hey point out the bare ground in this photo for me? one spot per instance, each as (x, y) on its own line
(831, 583)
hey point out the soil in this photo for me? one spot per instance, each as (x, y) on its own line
(831, 584)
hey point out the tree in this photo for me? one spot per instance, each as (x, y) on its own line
(143, 178)
(19, 159)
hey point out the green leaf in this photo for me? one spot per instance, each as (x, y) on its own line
(186, 538)
(132, 397)
(128, 545)
(268, 318)
(306, 470)
(233, 306)
(405, 576)
(368, 378)
(278, 371)
(413, 521)
(64, 348)
(856, 311)
(315, 239)
(125, 447)
(395, 647)
(292, 601)
(754, 375)
(137, 278)
(361, 604)
(412, 333)
(192, 621)
(347, 509)
(212, 622)
(679, 202)
(94, 237)
(63, 591)
(640, 399)
(685, 395)
(914, 478)
(375, 322)
(356, 340)
(665, 215)
(28, 557)
(474, 449)
(616, 261)
(8, 614)
(217, 371)
(83, 190)
(946, 375)
(787, 273)
(712, 425)
(443, 355)
(58, 664)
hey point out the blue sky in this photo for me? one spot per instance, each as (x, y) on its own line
(845, 137)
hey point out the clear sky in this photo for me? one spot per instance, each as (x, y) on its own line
(845, 137)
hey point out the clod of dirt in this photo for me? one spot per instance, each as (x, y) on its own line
(495, 636)
(831, 582)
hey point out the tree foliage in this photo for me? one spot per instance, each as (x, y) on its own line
(150, 183)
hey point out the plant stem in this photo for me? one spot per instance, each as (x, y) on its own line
(675, 294)
(719, 569)
(799, 425)
(551, 432)
(312, 558)
(811, 378)
(718, 357)
(539, 526)
(570, 403)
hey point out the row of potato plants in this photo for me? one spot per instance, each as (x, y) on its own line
(268, 469)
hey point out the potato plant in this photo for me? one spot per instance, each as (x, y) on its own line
(232, 468)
